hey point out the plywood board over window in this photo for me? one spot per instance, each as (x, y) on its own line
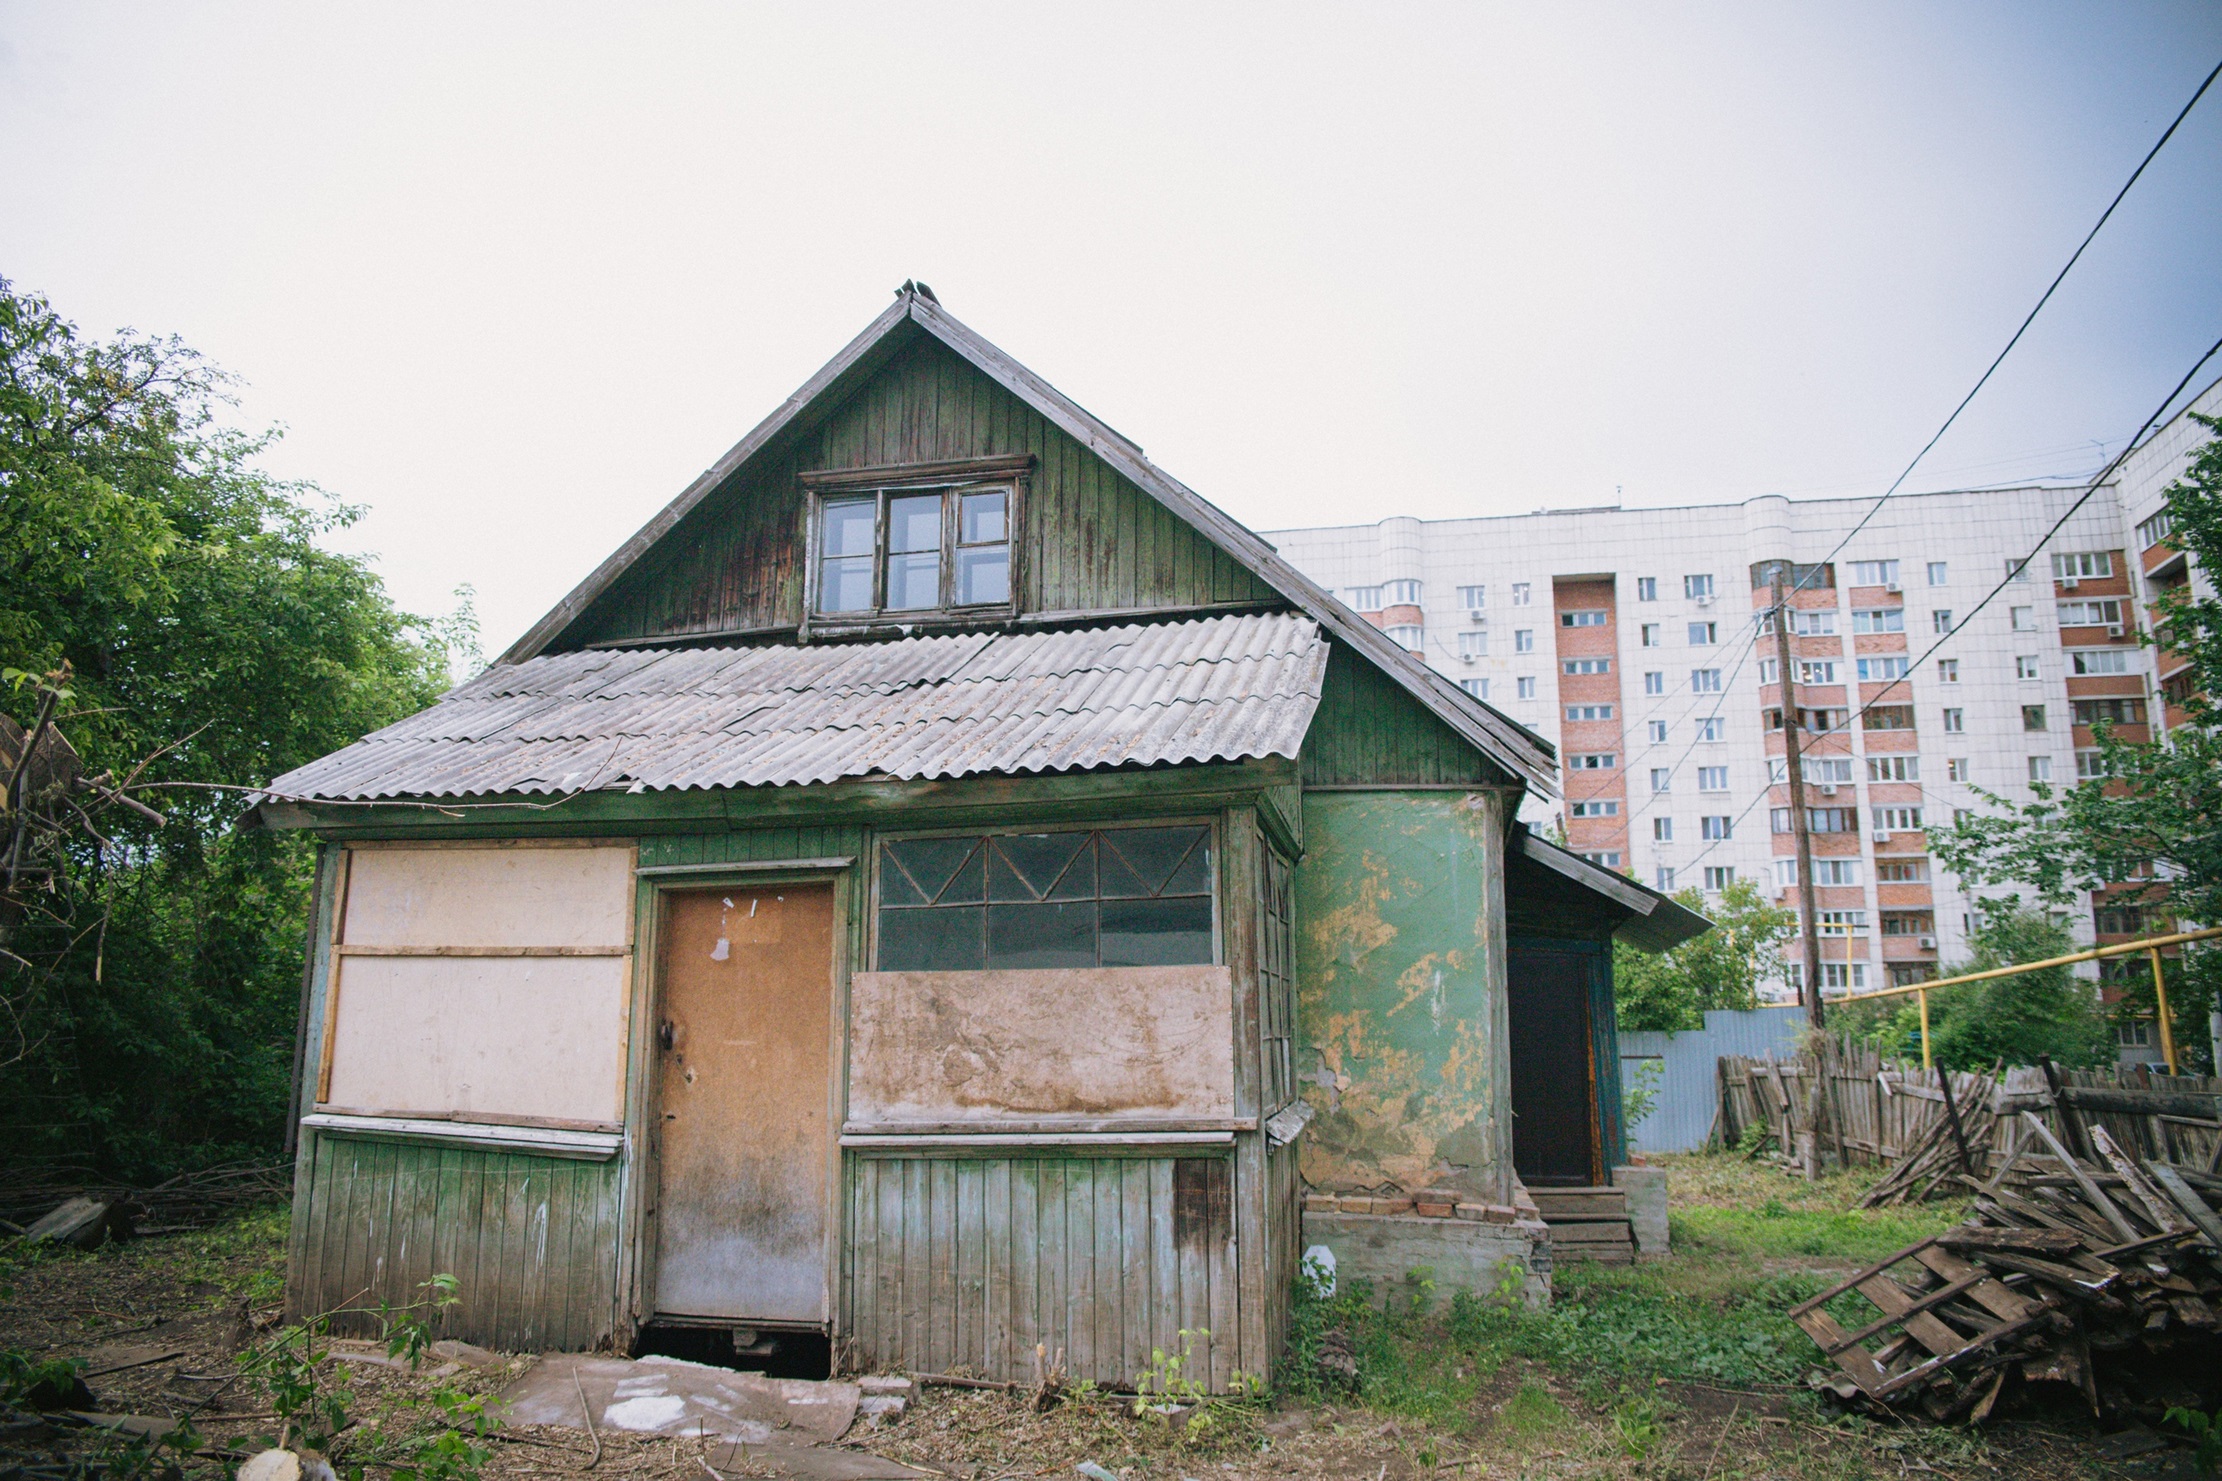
(482, 984)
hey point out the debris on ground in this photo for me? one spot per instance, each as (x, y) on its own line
(188, 1201)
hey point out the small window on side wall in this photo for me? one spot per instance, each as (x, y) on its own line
(890, 554)
(1112, 897)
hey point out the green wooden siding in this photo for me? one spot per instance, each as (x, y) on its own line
(1092, 539)
(754, 845)
(531, 1241)
(969, 1262)
(1370, 732)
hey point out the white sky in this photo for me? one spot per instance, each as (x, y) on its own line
(511, 276)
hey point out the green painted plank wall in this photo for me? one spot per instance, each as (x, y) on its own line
(1370, 732)
(969, 1262)
(532, 1241)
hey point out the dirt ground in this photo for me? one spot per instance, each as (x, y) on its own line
(159, 1325)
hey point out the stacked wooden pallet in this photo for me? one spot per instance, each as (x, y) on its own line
(1587, 1224)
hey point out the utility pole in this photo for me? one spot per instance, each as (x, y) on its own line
(1800, 824)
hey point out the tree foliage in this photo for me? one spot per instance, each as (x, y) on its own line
(1723, 968)
(2155, 818)
(213, 642)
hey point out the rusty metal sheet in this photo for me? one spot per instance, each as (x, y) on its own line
(1213, 689)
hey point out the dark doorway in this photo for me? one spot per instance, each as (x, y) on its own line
(1554, 1083)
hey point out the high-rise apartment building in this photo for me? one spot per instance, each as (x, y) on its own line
(1638, 641)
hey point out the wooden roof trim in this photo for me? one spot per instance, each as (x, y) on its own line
(1657, 921)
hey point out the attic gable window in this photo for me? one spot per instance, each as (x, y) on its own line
(895, 544)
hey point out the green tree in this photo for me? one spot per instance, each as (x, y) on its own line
(2154, 819)
(213, 642)
(1723, 968)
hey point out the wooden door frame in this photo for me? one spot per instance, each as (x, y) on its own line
(637, 1253)
(1599, 959)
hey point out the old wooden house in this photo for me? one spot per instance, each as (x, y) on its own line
(917, 892)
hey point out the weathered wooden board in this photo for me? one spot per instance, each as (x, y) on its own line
(943, 1047)
(522, 895)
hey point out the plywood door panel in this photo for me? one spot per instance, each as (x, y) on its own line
(744, 1098)
(1554, 1102)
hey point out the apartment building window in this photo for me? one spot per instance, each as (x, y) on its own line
(1948, 671)
(1589, 712)
(2119, 920)
(1894, 768)
(1524, 687)
(2040, 768)
(1901, 871)
(1662, 830)
(1651, 638)
(1876, 670)
(1647, 588)
(1820, 622)
(1473, 598)
(2025, 667)
(2016, 569)
(2104, 612)
(1588, 617)
(2098, 661)
(1401, 593)
(1473, 645)
(1888, 717)
(1879, 620)
(1842, 922)
(1874, 573)
(1956, 769)
(1817, 671)
(1940, 621)
(2110, 712)
(1694, 587)
(1715, 827)
(1523, 640)
(1594, 809)
(2090, 766)
(2156, 529)
(1522, 593)
(1662, 779)
(1821, 770)
(2134, 1035)
(1769, 670)
(1478, 688)
(1364, 598)
(1408, 637)
(1825, 872)
(1705, 681)
(1658, 732)
(1719, 877)
(1654, 682)
(1586, 666)
(1663, 880)
(1711, 728)
(1591, 761)
(1796, 576)
(1607, 858)
(2078, 565)
(1937, 573)
(1897, 820)
(1955, 722)
(1704, 634)
(1712, 779)
(2024, 619)
(1817, 819)
(2033, 717)
(1959, 816)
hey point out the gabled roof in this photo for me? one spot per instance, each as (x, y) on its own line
(1509, 744)
(965, 704)
(1654, 922)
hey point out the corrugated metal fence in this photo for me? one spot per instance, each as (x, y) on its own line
(1688, 1084)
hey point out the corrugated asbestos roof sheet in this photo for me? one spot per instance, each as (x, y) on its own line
(1217, 689)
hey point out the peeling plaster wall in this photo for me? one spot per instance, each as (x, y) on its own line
(1401, 1015)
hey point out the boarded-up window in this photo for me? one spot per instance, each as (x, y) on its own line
(481, 983)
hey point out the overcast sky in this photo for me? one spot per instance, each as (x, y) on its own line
(511, 276)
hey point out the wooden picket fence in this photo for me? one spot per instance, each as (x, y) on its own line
(1840, 1098)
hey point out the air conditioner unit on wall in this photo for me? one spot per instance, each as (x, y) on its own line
(1828, 789)
(1705, 601)
(1928, 943)
(1882, 835)
(1893, 588)
(2113, 629)
(2067, 583)
(1466, 658)
(1478, 617)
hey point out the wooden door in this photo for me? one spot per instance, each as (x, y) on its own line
(1554, 1095)
(745, 1097)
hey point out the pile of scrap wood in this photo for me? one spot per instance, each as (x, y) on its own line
(2088, 1276)
(78, 1207)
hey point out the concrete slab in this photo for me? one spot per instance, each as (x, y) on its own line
(1480, 1257)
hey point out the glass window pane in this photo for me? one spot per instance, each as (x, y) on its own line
(983, 575)
(914, 523)
(983, 520)
(1026, 866)
(913, 582)
(1149, 856)
(945, 939)
(845, 584)
(848, 527)
(945, 871)
(1157, 933)
(1060, 934)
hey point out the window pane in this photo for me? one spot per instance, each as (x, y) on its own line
(1060, 934)
(914, 582)
(942, 871)
(845, 584)
(946, 939)
(848, 527)
(1157, 933)
(983, 575)
(1040, 866)
(1141, 861)
(914, 523)
(983, 519)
